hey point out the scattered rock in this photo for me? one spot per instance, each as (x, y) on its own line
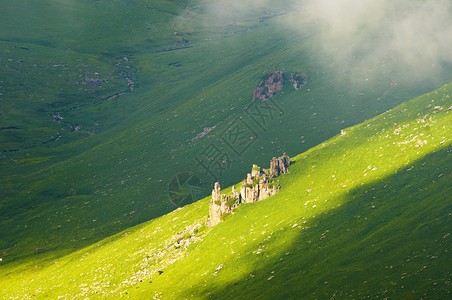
(203, 133)
(93, 82)
(298, 80)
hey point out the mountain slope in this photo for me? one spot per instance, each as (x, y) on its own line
(364, 214)
(102, 105)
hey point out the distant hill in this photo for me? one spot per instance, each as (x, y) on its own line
(365, 214)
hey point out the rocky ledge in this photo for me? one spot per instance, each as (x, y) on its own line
(258, 185)
(271, 84)
(268, 86)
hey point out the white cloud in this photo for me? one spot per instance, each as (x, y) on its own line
(415, 35)
(361, 36)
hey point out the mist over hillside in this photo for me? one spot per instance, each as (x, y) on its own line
(409, 38)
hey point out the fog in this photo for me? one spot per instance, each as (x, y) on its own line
(405, 36)
(414, 35)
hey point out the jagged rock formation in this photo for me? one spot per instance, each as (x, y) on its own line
(221, 205)
(257, 188)
(273, 83)
(269, 86)
(255, 171)
(279, 165)
(258, 185)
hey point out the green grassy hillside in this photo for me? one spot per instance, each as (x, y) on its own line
(101, 103)
(365, 214)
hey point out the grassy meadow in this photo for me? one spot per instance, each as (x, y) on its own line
(104, 103)
(365, 214)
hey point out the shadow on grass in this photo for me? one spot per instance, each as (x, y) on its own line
(389, 238)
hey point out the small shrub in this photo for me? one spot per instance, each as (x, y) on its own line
(199, 229)
(256, 181)
(224, 216)
(231, 201)
(273, 184)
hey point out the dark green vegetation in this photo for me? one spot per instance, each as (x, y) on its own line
(103, 103)
(365, 214)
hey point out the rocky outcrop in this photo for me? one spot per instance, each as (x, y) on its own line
(255, 171)
(221, 205)
(257, 188)
(273, 83)
(298, 80)
(258, 185)
(267, 87)
(279, 165)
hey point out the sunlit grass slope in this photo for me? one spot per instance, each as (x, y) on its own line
(364, 214)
